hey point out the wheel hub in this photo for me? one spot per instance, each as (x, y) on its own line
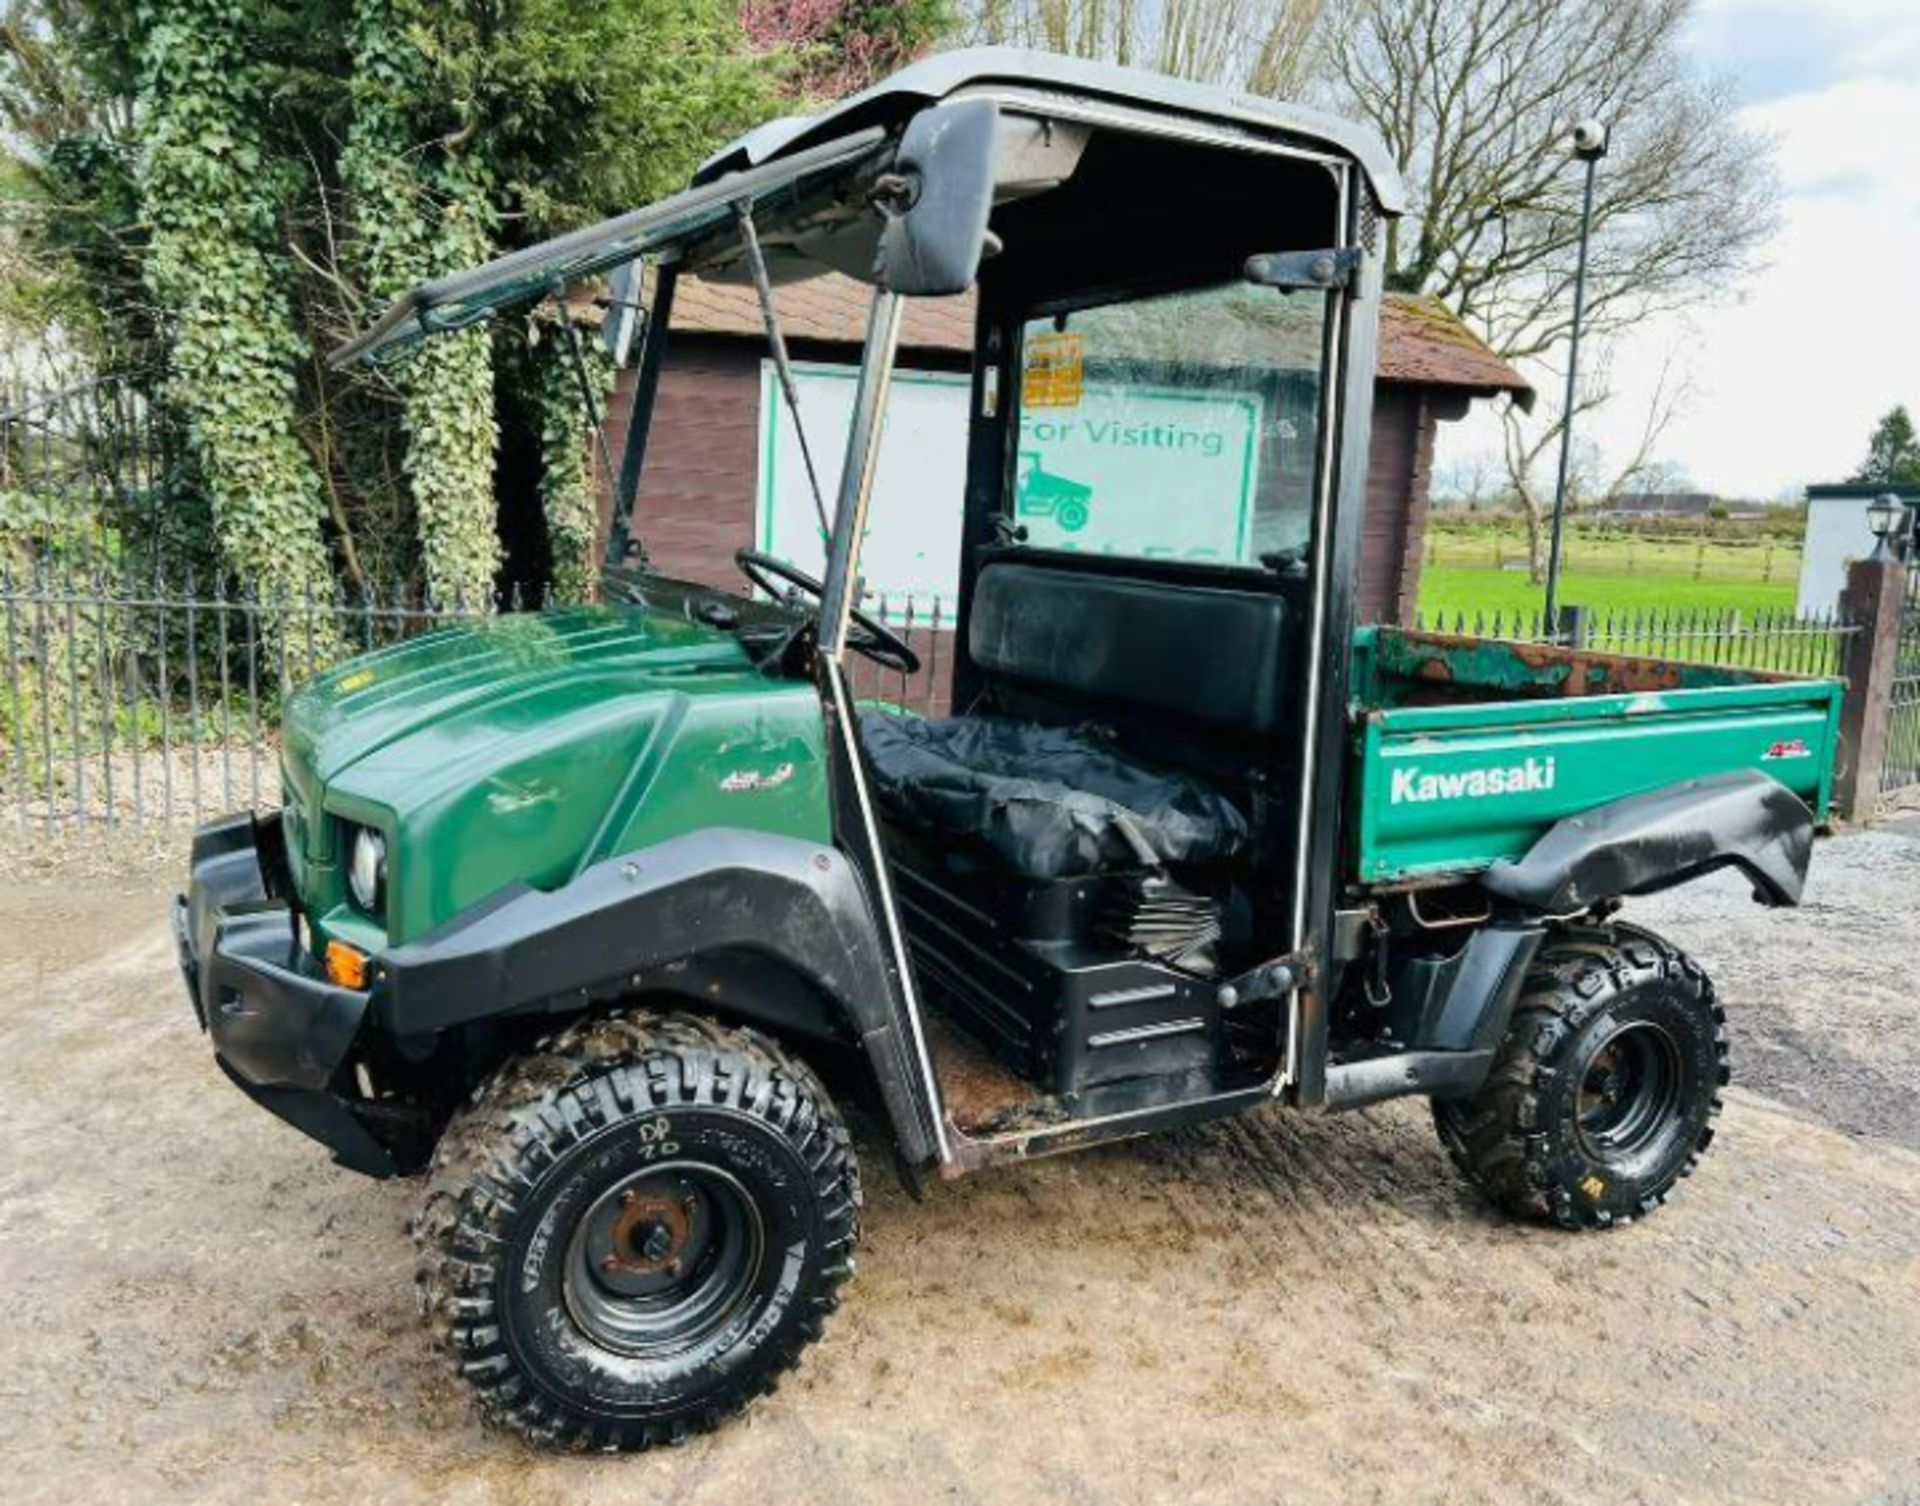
(661, 1258)
(1631, 1089)
(649, 1235)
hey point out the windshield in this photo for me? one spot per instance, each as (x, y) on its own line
(790, 189)
(1182, 426)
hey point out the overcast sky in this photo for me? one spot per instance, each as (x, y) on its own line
(1789, 371)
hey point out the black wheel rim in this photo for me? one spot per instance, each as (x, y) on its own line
(1631, 1092)
(663, 1259)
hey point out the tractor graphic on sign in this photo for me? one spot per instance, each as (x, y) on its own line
(1041, 494)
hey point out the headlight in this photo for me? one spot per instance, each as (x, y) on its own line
(367, 873)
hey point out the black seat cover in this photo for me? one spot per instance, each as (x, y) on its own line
(1047, 802)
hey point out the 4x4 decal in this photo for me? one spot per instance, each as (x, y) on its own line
(741, 780)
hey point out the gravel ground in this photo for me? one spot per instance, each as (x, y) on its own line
(126, 811)
(1823, 999)
(1281, 1307)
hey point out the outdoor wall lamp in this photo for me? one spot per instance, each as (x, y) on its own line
(1887, 517)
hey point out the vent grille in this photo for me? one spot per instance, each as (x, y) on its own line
(1369, 220)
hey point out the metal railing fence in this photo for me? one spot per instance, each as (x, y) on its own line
(86, 472)
(1764, 640)
(926, 625)
(1900, 770)
(156, 703)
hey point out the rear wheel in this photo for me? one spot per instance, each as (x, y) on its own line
(634, 1231)
(1604, 1092)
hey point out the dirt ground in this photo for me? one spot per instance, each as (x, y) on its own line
(1284, 1307)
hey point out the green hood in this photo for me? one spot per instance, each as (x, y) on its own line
(460, 679)
(522, 748)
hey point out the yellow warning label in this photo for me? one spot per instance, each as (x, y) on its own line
(1594, 1188)
(1054, 372)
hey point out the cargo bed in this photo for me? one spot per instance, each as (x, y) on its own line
(1468, 749)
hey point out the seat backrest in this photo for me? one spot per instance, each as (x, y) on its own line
(1219, 656)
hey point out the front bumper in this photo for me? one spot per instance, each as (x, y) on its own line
(281, 1031)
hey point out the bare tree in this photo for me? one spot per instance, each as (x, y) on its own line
(1473, 483)
(1268, 47)
(1532, 450)
(1659, 477)
(1475, 100)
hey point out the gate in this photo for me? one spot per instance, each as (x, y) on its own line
(1901, 771)
(84, 471)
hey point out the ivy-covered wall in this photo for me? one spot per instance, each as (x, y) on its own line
(418, 185)
(215, 201)
(226, 189)
(568, 500)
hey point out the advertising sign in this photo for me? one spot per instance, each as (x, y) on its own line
(1158, 473)
(912, 547)
(1144, 471)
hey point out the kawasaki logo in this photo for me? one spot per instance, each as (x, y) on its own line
(1411, 787)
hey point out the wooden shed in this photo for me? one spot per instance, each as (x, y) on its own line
(701, 489)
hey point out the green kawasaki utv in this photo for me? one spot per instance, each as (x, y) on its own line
(579, 913)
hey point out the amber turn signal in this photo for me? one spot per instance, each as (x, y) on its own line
(346, 965)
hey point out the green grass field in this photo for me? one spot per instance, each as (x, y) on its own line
(1456, 588)
(1479, 567)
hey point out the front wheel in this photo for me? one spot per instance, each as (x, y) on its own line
(1605, 1090)
(634, 1231)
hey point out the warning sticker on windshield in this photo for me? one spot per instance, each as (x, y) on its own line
(1055, 372)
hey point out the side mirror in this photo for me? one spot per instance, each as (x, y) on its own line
(936, 200)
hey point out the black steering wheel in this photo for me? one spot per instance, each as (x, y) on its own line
(875, 640)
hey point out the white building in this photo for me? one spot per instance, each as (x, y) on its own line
(1837, 534)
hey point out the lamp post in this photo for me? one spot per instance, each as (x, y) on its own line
(1589, 146)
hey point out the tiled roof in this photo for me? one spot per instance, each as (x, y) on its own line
(1421, 342)
(1424, 344)
(831, 308)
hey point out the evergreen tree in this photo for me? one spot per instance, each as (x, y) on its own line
(1893, 454)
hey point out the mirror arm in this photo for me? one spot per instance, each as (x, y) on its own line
(894, 194)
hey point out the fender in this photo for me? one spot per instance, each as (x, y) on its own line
(704, 907)
(1744, 819)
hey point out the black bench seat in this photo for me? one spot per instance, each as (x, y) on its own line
(1044, 802)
